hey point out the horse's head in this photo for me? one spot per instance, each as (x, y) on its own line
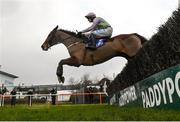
(50, 40)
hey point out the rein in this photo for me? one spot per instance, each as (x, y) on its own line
(67, 38)
(72, 43)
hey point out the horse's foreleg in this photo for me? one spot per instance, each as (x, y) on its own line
(59, 72)
(72, 61)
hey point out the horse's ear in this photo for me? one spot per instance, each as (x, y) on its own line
(55, 28)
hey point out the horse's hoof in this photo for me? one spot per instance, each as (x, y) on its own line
(61, 79)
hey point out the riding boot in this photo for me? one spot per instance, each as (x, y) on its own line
(92, 43)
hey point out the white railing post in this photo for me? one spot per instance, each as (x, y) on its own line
(30, 102)
(83, 98)
(1, 101)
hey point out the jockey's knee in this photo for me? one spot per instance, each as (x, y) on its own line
(87, 34)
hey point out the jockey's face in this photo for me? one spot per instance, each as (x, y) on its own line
(90, 19)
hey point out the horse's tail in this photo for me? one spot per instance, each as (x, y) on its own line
(143, 39)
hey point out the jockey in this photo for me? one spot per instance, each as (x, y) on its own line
(99, 29)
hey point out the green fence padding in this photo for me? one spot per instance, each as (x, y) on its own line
(160, 90)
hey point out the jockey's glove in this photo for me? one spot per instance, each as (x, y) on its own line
(79, 34)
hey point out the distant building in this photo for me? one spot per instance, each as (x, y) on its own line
(7, 80)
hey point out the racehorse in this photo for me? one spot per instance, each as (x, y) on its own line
(125, 45)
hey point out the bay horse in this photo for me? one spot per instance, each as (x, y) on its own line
(125, 45)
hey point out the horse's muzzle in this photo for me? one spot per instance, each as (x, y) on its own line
(44, 48)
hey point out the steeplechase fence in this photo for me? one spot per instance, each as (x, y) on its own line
(161, 90)
(152, 77)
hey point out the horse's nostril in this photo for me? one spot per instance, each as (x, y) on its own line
(43, 47)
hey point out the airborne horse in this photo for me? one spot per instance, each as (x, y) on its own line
(125, 45)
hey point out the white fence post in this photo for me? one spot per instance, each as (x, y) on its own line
(30, 101)
(1, 101)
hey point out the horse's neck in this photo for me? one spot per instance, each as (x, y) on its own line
(67, 39)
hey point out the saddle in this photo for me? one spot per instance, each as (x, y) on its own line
(99, 41)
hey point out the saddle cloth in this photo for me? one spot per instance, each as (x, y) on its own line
(100, 42)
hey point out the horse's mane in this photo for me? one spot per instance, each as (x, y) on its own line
(82, 37)
(68, 32)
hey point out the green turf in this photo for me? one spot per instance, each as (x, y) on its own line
(84, 112)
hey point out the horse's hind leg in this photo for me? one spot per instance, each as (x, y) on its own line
(72, 61)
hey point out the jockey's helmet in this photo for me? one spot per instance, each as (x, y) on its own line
(91, 15)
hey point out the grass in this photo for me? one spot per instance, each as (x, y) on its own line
(83, 113)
